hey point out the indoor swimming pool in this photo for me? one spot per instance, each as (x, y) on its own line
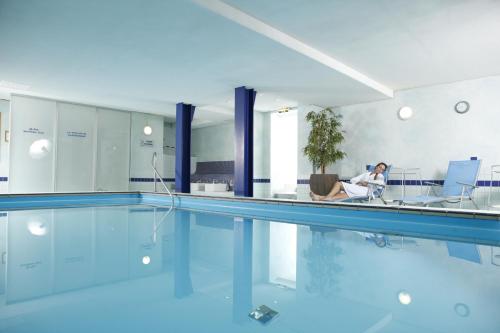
(135, 266)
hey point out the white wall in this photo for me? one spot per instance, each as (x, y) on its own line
(169, 150)
(33, 136)
(262, 154)
(213, 143)
(88, 148)
(434, 135)
(76, 138)
(216, 143)
(4, 145)
(113, 150)
(141, 152)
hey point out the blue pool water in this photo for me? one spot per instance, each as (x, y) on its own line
(138, 268)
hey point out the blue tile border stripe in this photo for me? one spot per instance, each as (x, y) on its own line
(4, 179)
(398, 182)
(150, 180)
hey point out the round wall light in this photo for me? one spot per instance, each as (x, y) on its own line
(405, 113)
(146, 260)
(148, 130)
(404, 297)
(39, 149)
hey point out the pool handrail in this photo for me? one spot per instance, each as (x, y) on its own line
(157, 174)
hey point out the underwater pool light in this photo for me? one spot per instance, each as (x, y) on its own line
(146, 260)
(404, 297)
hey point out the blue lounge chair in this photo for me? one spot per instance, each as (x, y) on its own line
(458, 186)
(464, 251)
(375, 191)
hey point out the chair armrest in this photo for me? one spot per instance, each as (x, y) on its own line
(469, 185)
(377, 184)
(432, 184)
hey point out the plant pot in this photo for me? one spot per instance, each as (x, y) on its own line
(322, 184)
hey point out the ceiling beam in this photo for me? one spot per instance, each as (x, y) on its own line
(223, 9)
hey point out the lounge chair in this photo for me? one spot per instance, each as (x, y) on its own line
(464, 251)
(458, 186)
(375, 190)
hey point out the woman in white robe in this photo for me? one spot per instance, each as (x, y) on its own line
(357, 186)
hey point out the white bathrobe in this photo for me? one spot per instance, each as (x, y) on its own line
(354, 190)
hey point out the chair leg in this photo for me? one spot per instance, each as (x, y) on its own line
(474, 203)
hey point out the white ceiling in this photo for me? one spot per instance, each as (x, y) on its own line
(147, 56)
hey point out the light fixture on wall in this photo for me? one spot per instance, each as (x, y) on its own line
(39, 149)
(148, 130)
(405, 113)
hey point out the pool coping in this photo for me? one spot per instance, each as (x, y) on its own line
(102, 197)
(431, 211)
(458, 225)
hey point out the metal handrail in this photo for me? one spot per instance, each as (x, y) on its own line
(157, 174)
(494, 170)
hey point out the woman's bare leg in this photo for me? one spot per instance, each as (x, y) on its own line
(337, 187)
(341, 195)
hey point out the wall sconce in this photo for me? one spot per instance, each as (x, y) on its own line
(148, 130)
(39, 149)
(405, 113)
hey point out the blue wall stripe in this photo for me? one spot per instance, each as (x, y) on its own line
(150, 180)
(398, 182)
(4, 179)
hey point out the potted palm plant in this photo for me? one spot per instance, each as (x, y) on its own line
(323, 147)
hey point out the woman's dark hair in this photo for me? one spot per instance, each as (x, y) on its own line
(380, 163)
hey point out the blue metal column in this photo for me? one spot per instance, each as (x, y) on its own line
(183, 117)
(244, 101)
(242, 269)
(182, 277)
